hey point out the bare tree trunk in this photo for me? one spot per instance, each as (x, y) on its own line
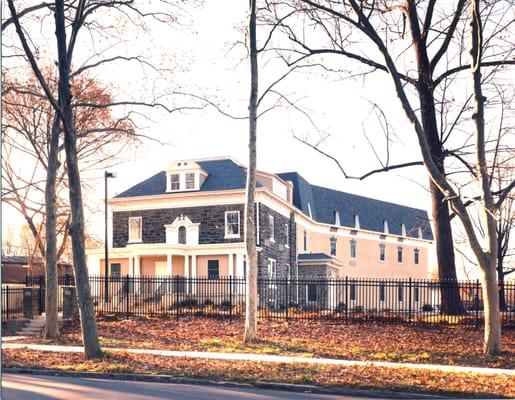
(250, 210)
(487, 259)
(87, 311)
(500, 279)
(51, 279)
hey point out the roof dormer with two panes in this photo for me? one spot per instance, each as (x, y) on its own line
(184, 176)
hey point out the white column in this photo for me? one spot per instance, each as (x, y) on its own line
(169, 265)
(239, 265)
(194, 273)
(230, 265)
(187, 271)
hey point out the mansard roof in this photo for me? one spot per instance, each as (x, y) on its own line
(372, 213)
(223, 174)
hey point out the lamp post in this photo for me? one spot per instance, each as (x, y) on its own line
(107, 175)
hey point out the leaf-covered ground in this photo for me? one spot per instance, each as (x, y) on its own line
(385, 379)
(452, 345)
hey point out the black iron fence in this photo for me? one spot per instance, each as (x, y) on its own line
(12, 302)
(345, 300)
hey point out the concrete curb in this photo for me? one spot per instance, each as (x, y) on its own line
(251, 384)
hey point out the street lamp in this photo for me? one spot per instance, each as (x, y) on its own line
(107, 175)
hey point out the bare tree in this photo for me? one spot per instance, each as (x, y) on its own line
(250, 206)
(424, 40)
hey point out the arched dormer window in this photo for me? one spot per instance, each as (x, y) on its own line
(356, 221)
(181, 239)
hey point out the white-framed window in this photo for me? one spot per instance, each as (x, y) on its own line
(190, 180)
(232, 224)
(271, 226)
(272, 268)
(332, 241)
(382, 252)
(353, 249)
(175, 182)
(134, 229)
(399, 254)
(416, 255)
(286, 235)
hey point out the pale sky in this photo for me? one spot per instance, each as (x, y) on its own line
(211, 69)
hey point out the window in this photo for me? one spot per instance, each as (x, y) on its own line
(333, 245)
(272, 268)
(135, 229)
(190, 181)
(399, 255)
(174, 182)
(213, 269)
(417, 256)
(232, 224)
(353, 291)
(381, 291)
(116, 269)
(416, 293)
(181, 235)
(382, 252)
(286, 235)
(305, 241)
(353, 249)
(271, 226)
(312, 292)
(401, 291)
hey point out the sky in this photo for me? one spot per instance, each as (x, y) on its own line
(211, 65)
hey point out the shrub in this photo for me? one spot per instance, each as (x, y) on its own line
(226, 303)
(188, 303)
(342, 307)
(427, 308)
(208, 302)
(357, 309)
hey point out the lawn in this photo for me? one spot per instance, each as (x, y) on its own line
(450, 345)
(383, 379)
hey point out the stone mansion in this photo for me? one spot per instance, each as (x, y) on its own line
(188, 220)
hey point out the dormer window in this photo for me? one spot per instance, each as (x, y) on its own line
(175, 183)
(337, 218)
(309, 211)
(356, 221)
(403, 230)
(385, 227)
(420, 235)
(190, 181)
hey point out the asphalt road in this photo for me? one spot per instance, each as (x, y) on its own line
(41, 387)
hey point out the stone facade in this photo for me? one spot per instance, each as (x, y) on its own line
(211, 219)
(283, 253)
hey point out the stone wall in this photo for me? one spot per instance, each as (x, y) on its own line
(211, 219)
(284, 253)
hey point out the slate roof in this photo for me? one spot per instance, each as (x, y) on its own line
(314, 256)
(372, 213)
(223, 174)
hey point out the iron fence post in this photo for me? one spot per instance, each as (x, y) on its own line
(230, 298)
(287, 298)
(177, 305)
(409, 300)
(41, 295)
(476, 303)
(127, 296)
(7, 301)
(346, 299)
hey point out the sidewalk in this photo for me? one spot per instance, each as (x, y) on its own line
(267, 358)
